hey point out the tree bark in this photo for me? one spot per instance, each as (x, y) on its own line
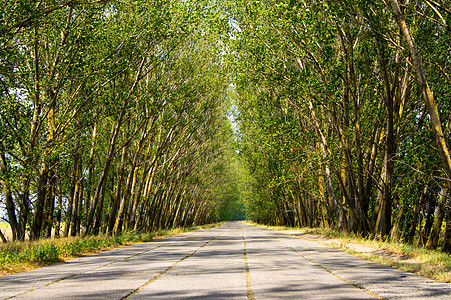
(77, 195)
(415, 216)
(429, 220)
(38, 216)
(119, 192)
(59, 209)
(70, 204)
(2, 237)
(98, 195)
(9, 202)
(129, 185)
(447, 240)
(438, 221)
(50, 205)
(91, 170)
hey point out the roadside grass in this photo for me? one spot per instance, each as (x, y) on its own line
(432, 264)
(23, 256)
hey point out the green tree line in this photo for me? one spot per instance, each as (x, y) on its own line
(344, 115)
(112, 115)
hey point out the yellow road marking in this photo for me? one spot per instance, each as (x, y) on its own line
(250, 293)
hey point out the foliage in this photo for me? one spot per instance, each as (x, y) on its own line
(335, 131)
(115, 116)
(109, 115)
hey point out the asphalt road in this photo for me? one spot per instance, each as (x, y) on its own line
(233, 261)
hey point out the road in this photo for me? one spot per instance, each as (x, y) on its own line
(234, 261)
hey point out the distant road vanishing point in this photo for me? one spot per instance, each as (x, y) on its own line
(234, 261)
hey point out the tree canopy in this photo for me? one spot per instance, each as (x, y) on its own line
(141, 115)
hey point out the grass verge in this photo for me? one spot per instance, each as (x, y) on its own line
(23, 256)
(432, 264)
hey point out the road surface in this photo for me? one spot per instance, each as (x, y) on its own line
(234, 261)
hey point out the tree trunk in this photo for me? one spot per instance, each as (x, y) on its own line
(77, 195)
(38, 216)
(9, 202)
(59, 209)
(447, 240)
(2, 237)
(91, 170)
(129, 185)
(426, 91)
(23, 215)
(322, 201)
(50, 204)
(99, 192)
(415, 216)
(395, 232)
(429, 220)
(385, 213)
(439, 216)
(70, 204)
(119, 193)
(134, 198)
(147, 192)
